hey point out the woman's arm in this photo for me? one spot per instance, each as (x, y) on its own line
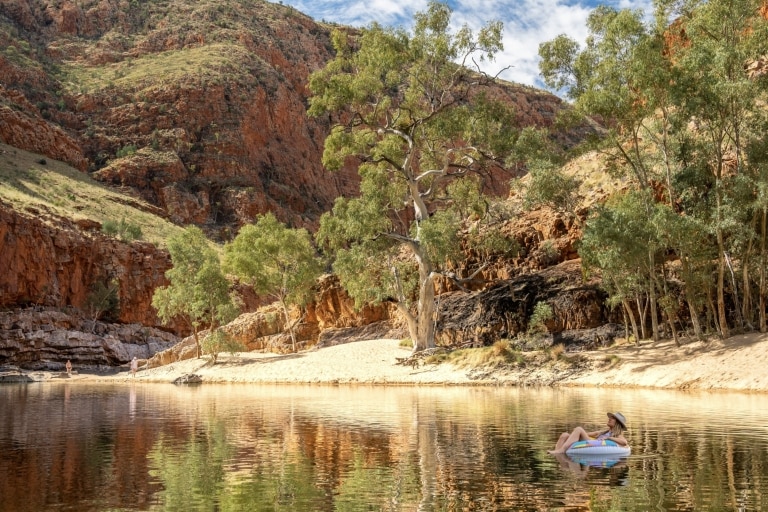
(619, 440)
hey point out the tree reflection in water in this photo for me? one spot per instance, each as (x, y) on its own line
(229, 448)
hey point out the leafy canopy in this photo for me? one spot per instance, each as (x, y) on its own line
(276, 260)
(420, 126)
(198, 290)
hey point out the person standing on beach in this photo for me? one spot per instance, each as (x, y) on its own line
(134, 366)
(68, 367)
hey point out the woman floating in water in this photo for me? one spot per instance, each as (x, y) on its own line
(617, 424)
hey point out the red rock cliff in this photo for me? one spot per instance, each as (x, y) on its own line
(49, 260)
(198, 106)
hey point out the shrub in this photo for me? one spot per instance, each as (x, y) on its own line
(128, 150)
(124, 230)
(103, 300)
(542, 312)
(220, 341)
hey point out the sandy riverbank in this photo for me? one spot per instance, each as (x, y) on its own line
(737, 364)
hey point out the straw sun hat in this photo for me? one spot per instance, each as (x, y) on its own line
(620, 418)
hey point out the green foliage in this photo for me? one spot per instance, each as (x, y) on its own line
(276, 260)
(128, 150)
(550, 186)
(122, 229)
(686, 127)
(466, 198)
(420, 127)
(439, 236)
(103, 300)
(198, 291)
(219, 341)
(542, 313)
(492, 244)
(616, 240)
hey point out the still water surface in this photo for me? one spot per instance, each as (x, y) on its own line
(84, 447)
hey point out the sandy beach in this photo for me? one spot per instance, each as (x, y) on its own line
(735, 364)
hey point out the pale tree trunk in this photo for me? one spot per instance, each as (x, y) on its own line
(642, 312)
(746, 286)
(421, 326)
(626, 322)
(671, 322)
(631, 315)
(735, 291)
(695, 320)
(425, 323)
(197, 341)
(670, 309)
(652, 296)
(763, 225)
(712, 315)
(690, 299)
(288, 322)
(722, 316)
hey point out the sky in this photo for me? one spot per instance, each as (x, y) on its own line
(527, 23)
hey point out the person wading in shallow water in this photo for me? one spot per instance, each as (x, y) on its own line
(134, 366)
(617, 424)
(68, 367)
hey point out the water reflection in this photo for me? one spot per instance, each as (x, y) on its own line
(162, 447)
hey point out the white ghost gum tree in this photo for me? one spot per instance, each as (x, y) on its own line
(414, 118)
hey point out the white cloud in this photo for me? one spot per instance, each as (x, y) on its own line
(358, 13)
(527, 23)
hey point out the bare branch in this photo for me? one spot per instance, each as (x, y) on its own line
(460, 281)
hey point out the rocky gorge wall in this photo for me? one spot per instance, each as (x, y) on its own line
(45, 338)
(52, 261)
(199, 108)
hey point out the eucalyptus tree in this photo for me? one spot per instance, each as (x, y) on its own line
(677, 100)
(716, 93)
(615, 242)
(276, 260)
(610, 77)
(198, 291)
(413, 117)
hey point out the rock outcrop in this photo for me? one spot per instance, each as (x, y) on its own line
(504, 310)
(50, 260)
(198, 107)
(44, 338)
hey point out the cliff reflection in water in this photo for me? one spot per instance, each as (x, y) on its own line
(230, 447)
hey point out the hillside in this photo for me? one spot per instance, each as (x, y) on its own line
(164, 113)
(198, 107)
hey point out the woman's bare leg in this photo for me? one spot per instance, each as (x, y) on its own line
(578, 434)
(562, 440)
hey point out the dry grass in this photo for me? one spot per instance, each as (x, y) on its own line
(498, 355)
(25, 182)
(209, 62)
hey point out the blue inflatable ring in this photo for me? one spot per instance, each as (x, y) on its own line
(598, 447)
